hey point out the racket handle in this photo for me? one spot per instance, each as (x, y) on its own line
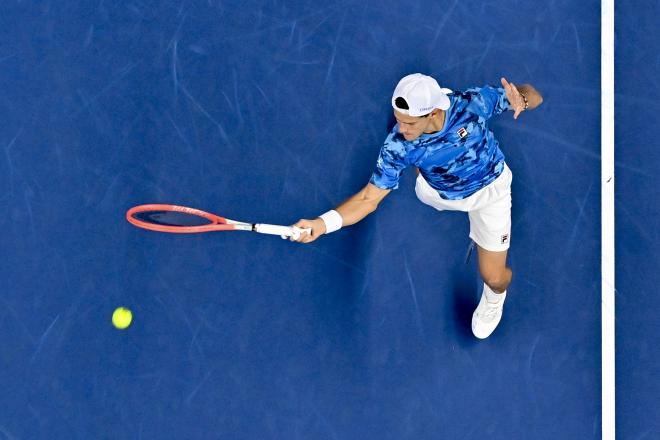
(283, 231)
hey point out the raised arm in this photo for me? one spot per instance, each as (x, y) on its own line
(351, 211)
(522, 97)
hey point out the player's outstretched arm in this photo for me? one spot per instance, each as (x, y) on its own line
(349, 212)
(522, 97)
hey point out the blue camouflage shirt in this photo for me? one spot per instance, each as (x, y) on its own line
(457, 161)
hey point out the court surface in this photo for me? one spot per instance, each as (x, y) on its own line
(274, 111)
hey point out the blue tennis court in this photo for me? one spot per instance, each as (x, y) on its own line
(274, 111)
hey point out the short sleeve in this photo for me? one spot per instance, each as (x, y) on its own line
(391, 162)
(488, 101)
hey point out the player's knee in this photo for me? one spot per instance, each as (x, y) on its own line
(497, 279)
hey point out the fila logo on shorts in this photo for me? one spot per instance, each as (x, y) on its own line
(505, 238)
(462, 132)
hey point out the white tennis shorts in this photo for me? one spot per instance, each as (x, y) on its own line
(489, 210)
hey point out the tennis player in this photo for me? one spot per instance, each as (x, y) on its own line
(460, 167)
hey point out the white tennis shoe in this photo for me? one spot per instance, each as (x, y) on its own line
(486, 316)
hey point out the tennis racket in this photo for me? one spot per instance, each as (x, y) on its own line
(183, 220)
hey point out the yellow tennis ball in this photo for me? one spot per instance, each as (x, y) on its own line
(122, 318)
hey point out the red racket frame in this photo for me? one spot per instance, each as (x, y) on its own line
(217, 223)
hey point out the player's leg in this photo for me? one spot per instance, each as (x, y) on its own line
(493, 269)
(490, 228)
(497, 277)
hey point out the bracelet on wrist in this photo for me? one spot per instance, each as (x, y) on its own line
(524, 99)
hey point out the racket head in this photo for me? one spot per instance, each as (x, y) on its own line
(176, 219)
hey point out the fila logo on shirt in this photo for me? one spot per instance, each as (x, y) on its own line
(505, 238)
(462, 132)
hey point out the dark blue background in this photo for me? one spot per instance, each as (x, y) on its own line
(271, 111)
(637, 161)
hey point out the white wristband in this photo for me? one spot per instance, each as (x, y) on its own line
(332, 220)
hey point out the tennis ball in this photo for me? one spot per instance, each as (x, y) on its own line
(122, 318)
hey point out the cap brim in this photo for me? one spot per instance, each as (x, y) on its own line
(444, 103)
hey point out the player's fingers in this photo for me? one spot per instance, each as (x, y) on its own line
(307, 235)
(295, 233)
(516, 100)
(514, 92)
(300, 234)
(307, 238)
(303, 224)
(309, 231)
(509, 89)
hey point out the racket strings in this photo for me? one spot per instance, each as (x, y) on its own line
(172, 218)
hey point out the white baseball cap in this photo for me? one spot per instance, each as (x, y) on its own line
(422, 93)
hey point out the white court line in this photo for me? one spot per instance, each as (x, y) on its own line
(608, 353)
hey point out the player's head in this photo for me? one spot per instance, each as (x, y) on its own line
(411, 127)
(415, 99)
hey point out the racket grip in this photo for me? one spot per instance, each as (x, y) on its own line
(284, 231)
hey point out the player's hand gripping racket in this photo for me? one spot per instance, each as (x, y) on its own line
(183, 220)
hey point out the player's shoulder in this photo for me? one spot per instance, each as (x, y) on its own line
(395, 145)
(460, 99)
(395, 136)
(476, 95)
(470, 92)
